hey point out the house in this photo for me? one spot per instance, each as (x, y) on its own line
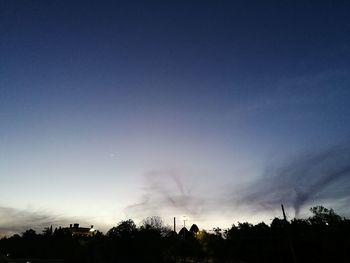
(76, 230)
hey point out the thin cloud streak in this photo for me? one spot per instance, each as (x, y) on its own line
(14, 221)
(316, 177)
(321, 177)
(165, 190)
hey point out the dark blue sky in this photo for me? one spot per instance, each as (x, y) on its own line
(106, 95)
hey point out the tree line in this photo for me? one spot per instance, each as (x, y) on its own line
(323, 237)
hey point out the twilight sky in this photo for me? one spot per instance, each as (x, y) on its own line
(217, 110)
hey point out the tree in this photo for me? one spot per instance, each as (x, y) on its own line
(194, 228)
(278, 224)
(152, 222)
(217, 231)
(184, 233)
(48, 231)
(30, 233)
(124, 229)
(323, 216)
(155, 223)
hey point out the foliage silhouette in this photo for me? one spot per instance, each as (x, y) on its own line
(323, 237)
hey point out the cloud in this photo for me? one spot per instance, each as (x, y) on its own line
(165, 190)
(318, 177)
(310, 178)
(14, 221)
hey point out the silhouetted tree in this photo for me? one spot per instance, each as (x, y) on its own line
(30, 233)
(48, 231)
(323, 216)
(194, 229)
(124, 229)
(323, 237)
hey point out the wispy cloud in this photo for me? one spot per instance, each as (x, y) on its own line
(165, 190)
(310, 178)
(319, 177)
(16, 221)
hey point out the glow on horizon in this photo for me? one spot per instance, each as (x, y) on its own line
(193, 109)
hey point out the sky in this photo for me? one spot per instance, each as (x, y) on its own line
(215, 110)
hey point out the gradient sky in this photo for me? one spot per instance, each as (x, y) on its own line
(126, 109)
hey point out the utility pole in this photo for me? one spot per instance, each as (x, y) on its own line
(184, 218)
(288, 236)
(284, 214)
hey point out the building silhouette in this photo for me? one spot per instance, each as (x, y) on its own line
(76, 230)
